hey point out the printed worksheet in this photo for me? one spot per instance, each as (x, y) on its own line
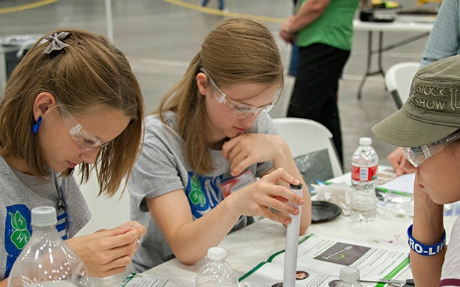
(320, 260)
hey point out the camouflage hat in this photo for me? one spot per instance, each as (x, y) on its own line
(432, 110)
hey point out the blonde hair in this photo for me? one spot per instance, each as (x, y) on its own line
(237, 50)
(88, 75)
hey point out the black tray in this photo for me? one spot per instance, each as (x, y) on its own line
(324, 211)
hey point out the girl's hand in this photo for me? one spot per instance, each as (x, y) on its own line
(108, 252)
(247, 149)
(285, 33)
(265, 198)
(397, 160)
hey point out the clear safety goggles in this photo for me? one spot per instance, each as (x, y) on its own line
(82, 138)
(238, 109)
(417, 155)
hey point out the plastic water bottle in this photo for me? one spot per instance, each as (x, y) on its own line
(364, 164)
(47, 261)
(216, 271)
(349, 277)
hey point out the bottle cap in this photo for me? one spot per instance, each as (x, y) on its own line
(296, 187)
(349, 274)
(44, 216)
(365, 141)
(217, 253)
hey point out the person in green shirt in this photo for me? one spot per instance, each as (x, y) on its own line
(323, 31)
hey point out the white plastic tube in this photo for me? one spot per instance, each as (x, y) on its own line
(292, 242)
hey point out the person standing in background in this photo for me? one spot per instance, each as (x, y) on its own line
(323, 31)
(294, 61)
(444, 39)
(221, 4)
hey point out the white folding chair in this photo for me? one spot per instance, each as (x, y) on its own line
(305, 136)
(398, 79)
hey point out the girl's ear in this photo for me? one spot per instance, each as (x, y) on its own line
(43, 102)
(202, 83)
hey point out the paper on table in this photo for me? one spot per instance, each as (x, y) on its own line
(337, 193)
(403, 183)
(148, 280)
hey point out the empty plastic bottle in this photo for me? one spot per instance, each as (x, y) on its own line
(364, 165)
(216, 271)
(47, 261)
(349, 277)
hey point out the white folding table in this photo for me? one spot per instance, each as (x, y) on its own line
(418, 24)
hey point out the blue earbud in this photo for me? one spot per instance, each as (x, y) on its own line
(36, 126)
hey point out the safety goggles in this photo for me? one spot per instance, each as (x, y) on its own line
(238, 109)
(83, 139)
(417, 155)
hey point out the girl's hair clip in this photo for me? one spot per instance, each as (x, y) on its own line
(55, 42)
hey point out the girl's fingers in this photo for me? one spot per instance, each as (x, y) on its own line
(283, 207)
(281, 174)
(140, 229)
(114, 239)
(277, 197)
(229, 147)
(278, 191)
(274, 215)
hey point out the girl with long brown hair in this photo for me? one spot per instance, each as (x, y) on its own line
(204, 148)
(72, 101)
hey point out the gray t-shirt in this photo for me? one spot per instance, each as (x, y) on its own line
(20, 193)
(162, 167)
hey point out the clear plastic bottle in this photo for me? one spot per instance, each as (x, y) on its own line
(364, 164)
(216, 271)
(47, 261)
(349, 277)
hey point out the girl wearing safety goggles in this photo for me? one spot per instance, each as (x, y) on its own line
(71, 101)
(211, 138)
(427, 128)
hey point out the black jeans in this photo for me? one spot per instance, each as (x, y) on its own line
(315, 90)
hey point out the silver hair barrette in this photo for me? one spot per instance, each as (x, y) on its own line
(55, 42)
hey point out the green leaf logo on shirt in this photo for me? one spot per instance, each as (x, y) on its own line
(21, 235)
(196, 195)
